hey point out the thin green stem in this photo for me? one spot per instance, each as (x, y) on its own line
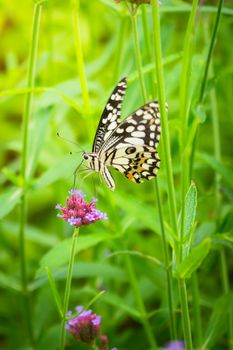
(168, 163)
(164, 121)
(148, 45)
(158, 200)
(217, 153)
(79, 54)
(119, 49)
(68, 288)
(167, 266)
(139, 301)
(185, 315)
(137, 55)
(210, 51)
(184, 113)
(196, 310)
(23, 201)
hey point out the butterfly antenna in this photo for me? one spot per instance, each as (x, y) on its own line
(73, 142)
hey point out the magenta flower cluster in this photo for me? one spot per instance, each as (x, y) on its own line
(86, 327)
(77, 212)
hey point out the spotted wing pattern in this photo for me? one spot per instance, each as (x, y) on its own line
(131, 147)
(110, 116)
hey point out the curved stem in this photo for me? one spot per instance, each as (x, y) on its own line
(79, 54)
(67, 288)
(137, 55)
(23, 171)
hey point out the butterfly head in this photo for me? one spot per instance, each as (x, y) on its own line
(92, 160)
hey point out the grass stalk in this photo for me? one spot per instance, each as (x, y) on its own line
(75, 4)
(217, 154)
(68, 288)
(23, 168)
(210, 51)
(164, 122)
(168, 163)
(196, 307)
(158, 200)
(137, 54)
(185, 102)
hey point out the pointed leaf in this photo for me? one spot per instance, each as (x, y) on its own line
(59, 255)
(8, 201)
(218, 320)
(193, 260)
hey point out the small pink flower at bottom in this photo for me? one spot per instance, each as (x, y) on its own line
(84, 327)
(175, 345)
(77, 212)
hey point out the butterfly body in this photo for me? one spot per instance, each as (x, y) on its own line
(128, 146)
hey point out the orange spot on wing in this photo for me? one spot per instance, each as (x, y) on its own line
(129, 176)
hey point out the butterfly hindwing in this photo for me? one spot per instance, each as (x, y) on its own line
(110, 118)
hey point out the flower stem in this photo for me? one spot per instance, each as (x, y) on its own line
(137, 54)
(197, 324)
(23, 171)
(67, 288)
(79, 54)
(168, 164)
(185, 314)
(211, 47)
(158, 200)
(164, 122)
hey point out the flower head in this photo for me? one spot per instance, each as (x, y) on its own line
(84, 327)
(175, 345)
(77, 212)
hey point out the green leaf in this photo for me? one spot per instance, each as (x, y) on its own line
(218, 320)
(9, 282)
(115, 300)
(193, 260)
(59, 255)
(223, 170)
(55, 293)
(190, 209)
(8, 200)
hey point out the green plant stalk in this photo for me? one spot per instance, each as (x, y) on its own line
(79, 54)
(119, 49)
(173, 333)
(23, 201)
(148, 45)
(164, 243)
(164, 122)
(139, 301)
(197, 324)
(137, 54)
(185, 314)
(217, 153)
(68, 288)
(210, 51)
(184, 113)
(168, 163)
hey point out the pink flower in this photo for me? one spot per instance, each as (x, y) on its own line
(85, 327)
(77, 212)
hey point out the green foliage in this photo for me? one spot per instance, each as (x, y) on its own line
(123, 267)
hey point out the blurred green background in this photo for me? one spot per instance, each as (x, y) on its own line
(108, 50)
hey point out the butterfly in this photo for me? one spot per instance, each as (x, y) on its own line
(128, 146)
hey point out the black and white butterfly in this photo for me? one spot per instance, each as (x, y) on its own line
(128, 146)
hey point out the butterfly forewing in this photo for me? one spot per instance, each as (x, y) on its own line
(110, 116)
(131, 147)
